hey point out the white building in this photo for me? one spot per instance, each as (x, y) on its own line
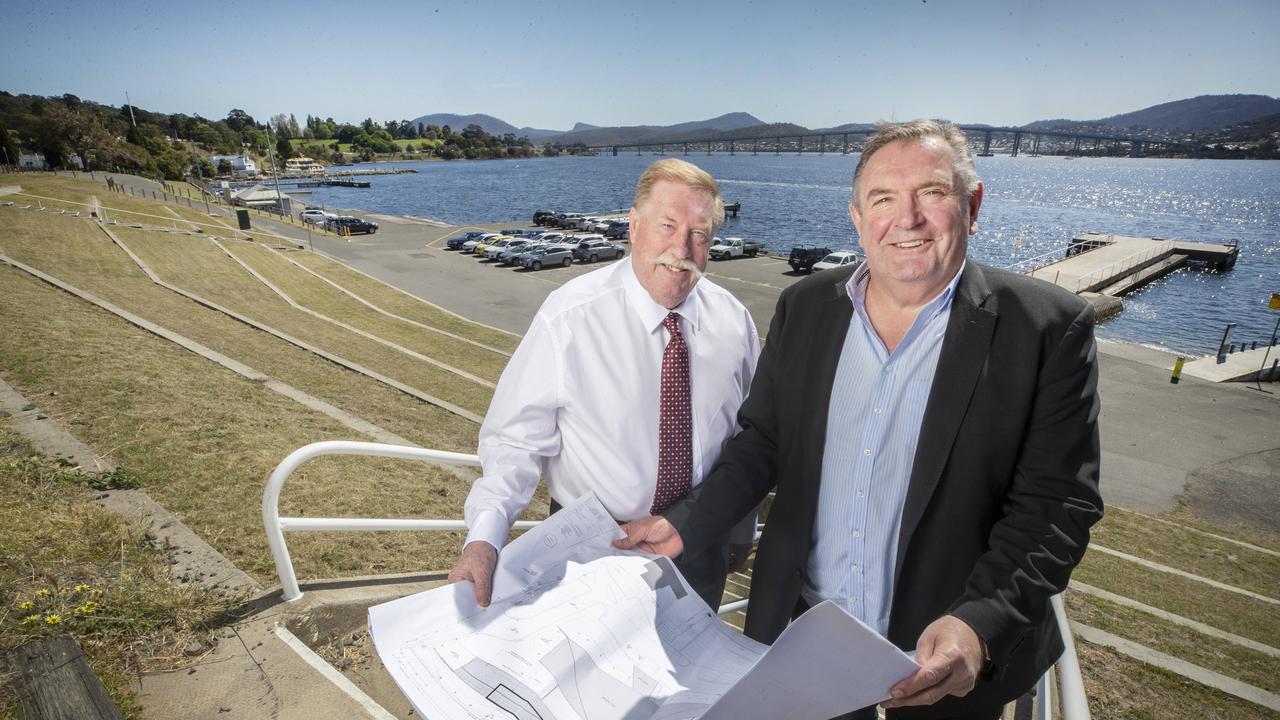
(241, 165)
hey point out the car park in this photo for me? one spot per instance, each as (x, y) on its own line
(545, 256)
(455, 243)
(597, 249)
(839, 258)
(348, 225)
(804, 256)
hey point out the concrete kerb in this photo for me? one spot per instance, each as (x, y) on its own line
(191, 558)
(367, 335)
(342, 362)
(389, 314)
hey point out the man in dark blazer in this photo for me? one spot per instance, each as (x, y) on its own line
(993, 505)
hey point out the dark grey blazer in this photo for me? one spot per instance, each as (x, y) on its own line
(1003, 490)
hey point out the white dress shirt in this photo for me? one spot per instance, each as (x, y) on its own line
(578, 402)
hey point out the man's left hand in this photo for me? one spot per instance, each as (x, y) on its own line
(950, 656)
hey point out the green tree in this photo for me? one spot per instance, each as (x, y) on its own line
(8, 148)
(284, 148)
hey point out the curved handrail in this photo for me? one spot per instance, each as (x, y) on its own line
(1074, 703)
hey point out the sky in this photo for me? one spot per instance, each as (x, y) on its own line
(550, 65)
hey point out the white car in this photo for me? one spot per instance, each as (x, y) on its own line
(470, 245)
(312, 216)
(839, 258)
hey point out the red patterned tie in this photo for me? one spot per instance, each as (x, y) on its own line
(675, 422)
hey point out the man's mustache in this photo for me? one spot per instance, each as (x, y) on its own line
(676, 263)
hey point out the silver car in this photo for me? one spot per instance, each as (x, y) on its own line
(495, 250)
(549, 255)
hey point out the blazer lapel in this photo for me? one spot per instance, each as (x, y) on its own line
(833, 318)
(963, 355)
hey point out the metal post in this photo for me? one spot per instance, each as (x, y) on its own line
(1267, 354)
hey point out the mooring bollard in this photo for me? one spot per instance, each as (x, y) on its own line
(1177, 370)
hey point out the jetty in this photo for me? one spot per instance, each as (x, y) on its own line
(1116, 265)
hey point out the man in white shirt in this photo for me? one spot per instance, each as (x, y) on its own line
(627, 384)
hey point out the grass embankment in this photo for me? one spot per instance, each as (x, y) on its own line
(68, 566)
(201, 439)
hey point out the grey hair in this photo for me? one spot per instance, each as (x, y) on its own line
(920, 131)
(683, 173)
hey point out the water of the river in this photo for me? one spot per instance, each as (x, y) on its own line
(1033, 206)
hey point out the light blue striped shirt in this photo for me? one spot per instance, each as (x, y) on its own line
(873, 425)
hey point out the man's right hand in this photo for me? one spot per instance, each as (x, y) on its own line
(654, 534)
(476, 564)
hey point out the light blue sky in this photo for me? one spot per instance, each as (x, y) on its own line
(549, 65)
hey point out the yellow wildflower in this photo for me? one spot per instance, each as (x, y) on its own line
(87, 608)
(52, 618)
(95, 591)
(30, 619)
(42, 593)
(82, 588)
(26, 605)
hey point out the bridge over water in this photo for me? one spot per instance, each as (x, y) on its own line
(987, 141)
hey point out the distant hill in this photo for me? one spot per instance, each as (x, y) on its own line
(1206, 112)
(488, 123)
(657, 133)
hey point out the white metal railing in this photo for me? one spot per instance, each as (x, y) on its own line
(1125, 263)
(1074, 704)
(276, 525)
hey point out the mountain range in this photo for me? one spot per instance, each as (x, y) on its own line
(1205, 113)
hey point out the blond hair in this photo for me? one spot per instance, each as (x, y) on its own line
(685, 173)
(920, 131)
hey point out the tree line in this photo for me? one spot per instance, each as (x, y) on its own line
(131, 139)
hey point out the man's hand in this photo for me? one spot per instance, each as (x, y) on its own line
(950, 656)
(738, 556)
(653, 534)
(477, 563)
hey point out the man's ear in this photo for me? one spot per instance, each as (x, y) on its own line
(975, 203)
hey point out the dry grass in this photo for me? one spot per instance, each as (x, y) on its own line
(201, 440)
(319, 296)
(67, 566)
(1250, 666)
(395, 301)
(1190, 551)
(1120, 688)
(1224, 610)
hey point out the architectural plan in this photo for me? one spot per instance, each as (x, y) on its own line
(578, 630)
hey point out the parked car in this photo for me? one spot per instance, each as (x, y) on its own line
(725, 248)
(550, 255)
(485, 244)
(839, 258)
(618, 229)
(567, 220)
(470, 245)
(455, 243)
(543, 217)
(511, 232)
(599, 226)
(350, 225)
(315, 216)
(552, 237)
(804, 256)
(497, 249)
(601, 249)
(511, 256)
(482, 249)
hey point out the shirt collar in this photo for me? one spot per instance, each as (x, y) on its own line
(650, 313)
(856, 289)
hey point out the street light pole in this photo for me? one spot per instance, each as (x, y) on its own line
(274, 174)
(204, 193)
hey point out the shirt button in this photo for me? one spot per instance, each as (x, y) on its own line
(857, 567)
(877, 411)
(867, 452)
(857, 533)
(888, 368)
(860, 493)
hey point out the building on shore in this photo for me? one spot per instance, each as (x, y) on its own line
(302, 166)
(241, 165)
